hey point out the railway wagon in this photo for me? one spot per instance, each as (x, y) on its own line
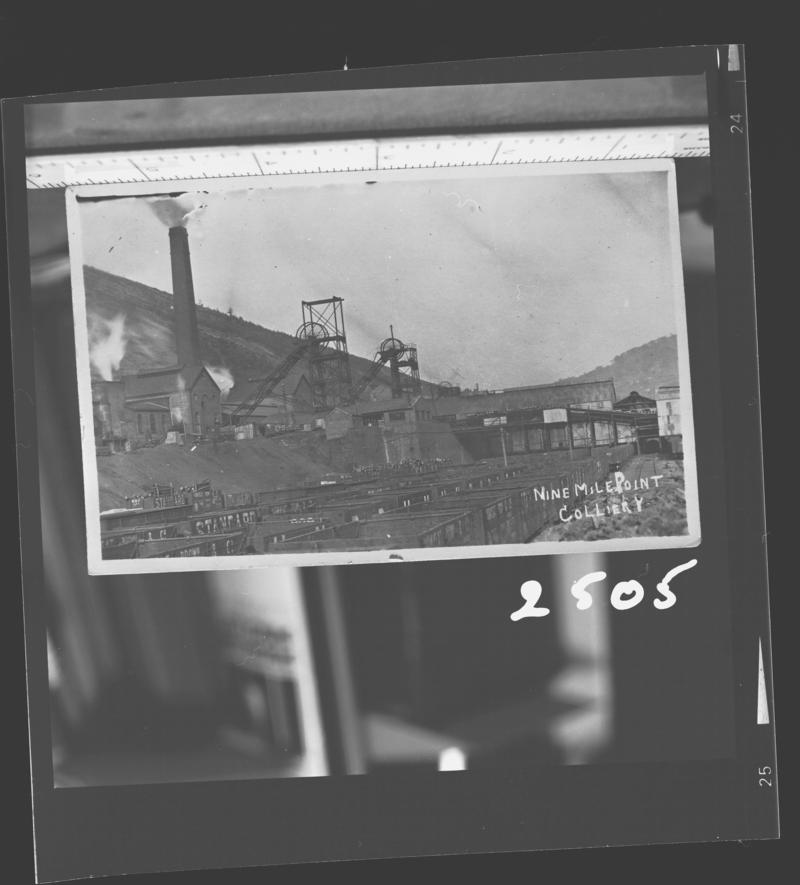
(347, 511)
(407, 525)
(494, 518)
(124, 549)
(223, 520)
(291, 505)
(138, 517)
(306, 498)
(445, 489)
(525, 512)
(504, 511)
(461, 529)
(274, 532)
(394, 493)
(111, 537)
(503, 520)
(335, 545)
(435, 482)
(359, 509)
(226, 544)
(238, 499)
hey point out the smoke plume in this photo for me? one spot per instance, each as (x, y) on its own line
(107, 340)
(176, 211)
(223, 377)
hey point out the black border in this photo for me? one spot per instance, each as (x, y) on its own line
(664, 803)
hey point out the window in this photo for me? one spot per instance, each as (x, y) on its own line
(152, 422)
(396, 416)
(139, 421)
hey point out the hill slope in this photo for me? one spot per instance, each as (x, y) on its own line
(641, 368)
(245, 349)
(250, 465)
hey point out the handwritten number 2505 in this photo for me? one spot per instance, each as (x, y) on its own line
(625, 595)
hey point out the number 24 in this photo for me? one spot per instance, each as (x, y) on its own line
(737, 118)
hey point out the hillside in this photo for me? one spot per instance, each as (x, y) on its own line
(245, 349)
(233, 466)
(248, 350)
(641, 368)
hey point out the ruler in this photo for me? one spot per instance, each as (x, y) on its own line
(363, 155)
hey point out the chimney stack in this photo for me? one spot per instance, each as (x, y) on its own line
(187, 340)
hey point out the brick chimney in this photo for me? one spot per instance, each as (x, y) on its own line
(187, 340)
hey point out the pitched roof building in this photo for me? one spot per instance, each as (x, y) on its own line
(635, 402)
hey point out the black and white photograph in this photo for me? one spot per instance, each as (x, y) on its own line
(389, 463)
(421, 363)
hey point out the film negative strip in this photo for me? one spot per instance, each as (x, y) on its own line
(482, 699)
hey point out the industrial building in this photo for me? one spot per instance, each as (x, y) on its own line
(635, 402)
(668, 405)
(147, 406)
(597, 395)
(291, 404)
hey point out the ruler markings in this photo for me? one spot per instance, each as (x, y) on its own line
(420, 153)
(614, 145)
(139, 169)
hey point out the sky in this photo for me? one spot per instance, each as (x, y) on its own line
(498, 280)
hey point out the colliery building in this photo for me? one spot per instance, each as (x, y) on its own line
(598, 395)
(147, 406)
(668, 406)
(391, 432)
(635, 402)
(290, 404)
(540, 418)
(486, 424)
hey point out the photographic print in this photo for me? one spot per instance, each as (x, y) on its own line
(274, 336)
(416, 364)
